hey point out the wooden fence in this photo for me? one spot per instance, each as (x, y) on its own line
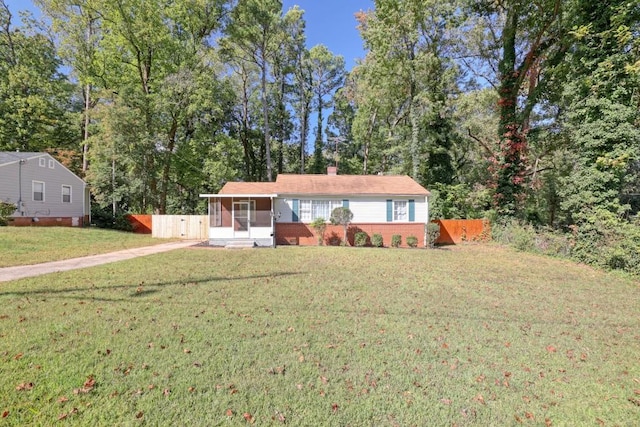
(171, 226)
(181, 226)
(454, 231)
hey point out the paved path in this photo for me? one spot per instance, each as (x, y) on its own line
(22, 271)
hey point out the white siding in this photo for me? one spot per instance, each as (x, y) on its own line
(365, 209)
(54, 178)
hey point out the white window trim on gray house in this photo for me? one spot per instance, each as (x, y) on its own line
(34, 192)
(69, 193)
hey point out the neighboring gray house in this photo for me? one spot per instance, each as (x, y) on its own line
(43, 189)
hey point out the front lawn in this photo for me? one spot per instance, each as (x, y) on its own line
(33, 245)
(472, 335)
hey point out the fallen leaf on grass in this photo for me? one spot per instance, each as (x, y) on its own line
(17, 356)
(479, 399)
(166, 392)
(446, 401)
(65, 415)
(229, 413)
(547, 422)
(5, 414)
(279, 417)
(551, 349)
(249, 418)
(62, 399)
(24, 386)
(87, 386)
(334, 407)
(634, 401)
(529, 416)
(140, 415)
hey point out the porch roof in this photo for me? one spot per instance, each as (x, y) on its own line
(240, 195)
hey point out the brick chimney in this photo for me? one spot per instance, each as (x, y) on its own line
(332, 170)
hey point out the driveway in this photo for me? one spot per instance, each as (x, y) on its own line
(19, 272)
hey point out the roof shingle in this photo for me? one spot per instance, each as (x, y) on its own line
(331, 185)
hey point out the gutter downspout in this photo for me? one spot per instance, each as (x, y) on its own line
(20, 163)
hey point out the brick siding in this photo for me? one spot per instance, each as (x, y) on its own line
(24, 221)
(295, 233)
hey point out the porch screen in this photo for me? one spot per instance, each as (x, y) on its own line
(215, 207)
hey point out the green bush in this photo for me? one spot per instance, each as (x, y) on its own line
(319, 225)
(376, 240)
(433, 232)
(361, 238)
(104, 218)
(513, 233)
(6, 209)
(396, 240)
(412, 241)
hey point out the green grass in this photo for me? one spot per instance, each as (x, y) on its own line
(475, 335)
(33, 245)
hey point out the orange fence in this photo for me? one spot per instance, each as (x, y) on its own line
(141, 223)
(454, 231)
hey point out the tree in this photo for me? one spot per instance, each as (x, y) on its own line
(302, 80)
(327, 74)
(342, 216)
(602, 115)
(255, 26)
(405, 83)
(519, 44)
(77, 24)
(36, 107)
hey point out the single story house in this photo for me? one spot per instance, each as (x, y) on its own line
(44, 191)
(270, 213)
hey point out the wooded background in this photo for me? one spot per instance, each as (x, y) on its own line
(503, 109)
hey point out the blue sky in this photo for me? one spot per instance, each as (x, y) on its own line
(329, 22)
(333, 24)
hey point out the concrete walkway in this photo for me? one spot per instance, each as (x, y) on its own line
(22, 271)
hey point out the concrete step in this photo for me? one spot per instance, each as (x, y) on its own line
(240, 244)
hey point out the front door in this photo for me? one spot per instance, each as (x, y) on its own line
(241, 217)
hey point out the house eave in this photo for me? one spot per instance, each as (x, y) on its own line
(255, 196)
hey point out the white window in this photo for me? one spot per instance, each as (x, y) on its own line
(400, 210)
(66, 194)
(42, 162)
(37, 191)
(312, 209)
(51, 164)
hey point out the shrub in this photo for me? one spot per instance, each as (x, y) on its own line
(513, 233)
(433, 232)
(342, 216)
(412, 241)
(104, 218)
(396, 240)
(6, 209)
(376, 240)
(361, 239)
(319, 225)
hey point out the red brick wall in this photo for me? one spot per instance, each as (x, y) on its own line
(295, 233)
(24, 221)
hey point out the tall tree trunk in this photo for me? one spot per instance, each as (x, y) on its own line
(265, 112)
(513, 145)
(85, 143)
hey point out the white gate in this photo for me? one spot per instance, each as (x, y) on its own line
(192, 227)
